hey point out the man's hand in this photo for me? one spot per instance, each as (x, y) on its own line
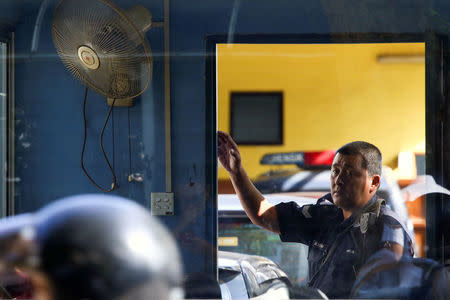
(258, 209)
(228, 152)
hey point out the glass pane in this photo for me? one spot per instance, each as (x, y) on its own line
(333, 94)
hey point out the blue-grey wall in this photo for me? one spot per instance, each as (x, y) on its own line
(49, 101)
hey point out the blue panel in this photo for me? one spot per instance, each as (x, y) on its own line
(49, 128)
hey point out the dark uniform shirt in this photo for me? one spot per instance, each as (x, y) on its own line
(333, 268)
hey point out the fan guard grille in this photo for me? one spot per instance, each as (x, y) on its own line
(87, 30)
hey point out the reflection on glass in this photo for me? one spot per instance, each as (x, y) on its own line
(251, 239)
(15, 284)
(3, 85)
(421, 186)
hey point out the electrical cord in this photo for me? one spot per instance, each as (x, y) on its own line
(114, 184)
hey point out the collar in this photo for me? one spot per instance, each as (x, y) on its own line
(368, 204)
(352, 219)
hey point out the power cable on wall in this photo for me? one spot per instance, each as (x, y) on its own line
(114, 184)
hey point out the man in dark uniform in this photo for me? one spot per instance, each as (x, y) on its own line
(342, 230)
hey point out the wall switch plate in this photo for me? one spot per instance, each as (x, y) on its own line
(162, 204)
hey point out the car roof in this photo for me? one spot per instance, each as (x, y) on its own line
(231, 203)
(306, 180)
(264, 268)
(259, 273)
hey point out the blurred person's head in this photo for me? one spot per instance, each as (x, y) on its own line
(355, 175)
(97, 247)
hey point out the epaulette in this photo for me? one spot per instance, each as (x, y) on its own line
(325, 200)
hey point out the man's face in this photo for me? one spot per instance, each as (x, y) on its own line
(351, 185)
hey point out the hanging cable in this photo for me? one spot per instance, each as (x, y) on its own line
(113, 186)
(130, 174)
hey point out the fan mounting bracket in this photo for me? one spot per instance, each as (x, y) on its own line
(127, 102)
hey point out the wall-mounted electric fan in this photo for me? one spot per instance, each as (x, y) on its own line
(106, 49)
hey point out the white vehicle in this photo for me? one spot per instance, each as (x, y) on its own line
(251, 277)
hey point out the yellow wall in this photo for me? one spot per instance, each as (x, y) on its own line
(333, 94)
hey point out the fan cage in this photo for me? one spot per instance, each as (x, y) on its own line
(122, 67)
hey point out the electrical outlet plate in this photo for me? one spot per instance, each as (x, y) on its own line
(162, 204)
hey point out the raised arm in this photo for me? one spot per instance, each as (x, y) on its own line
(258, 209)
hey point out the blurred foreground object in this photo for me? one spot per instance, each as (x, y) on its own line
(385, 277)
(92, 247)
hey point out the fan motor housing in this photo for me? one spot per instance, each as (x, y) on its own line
(88, 57)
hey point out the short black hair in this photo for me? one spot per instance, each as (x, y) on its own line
(371, 155)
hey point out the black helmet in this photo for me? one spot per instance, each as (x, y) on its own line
(95, 247)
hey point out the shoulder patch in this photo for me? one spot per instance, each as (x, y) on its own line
(391, 218)
(393, 234)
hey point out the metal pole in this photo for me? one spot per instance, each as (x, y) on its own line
(11, 123)
(167, 96)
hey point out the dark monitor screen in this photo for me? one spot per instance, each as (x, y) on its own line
(257, 118)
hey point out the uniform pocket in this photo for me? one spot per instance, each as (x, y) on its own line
(316, 255)
(346, 262)
(344, 271)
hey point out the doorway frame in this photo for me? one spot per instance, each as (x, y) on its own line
(436, 110)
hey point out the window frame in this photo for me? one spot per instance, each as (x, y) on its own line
(7, 203)
(436, 107)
